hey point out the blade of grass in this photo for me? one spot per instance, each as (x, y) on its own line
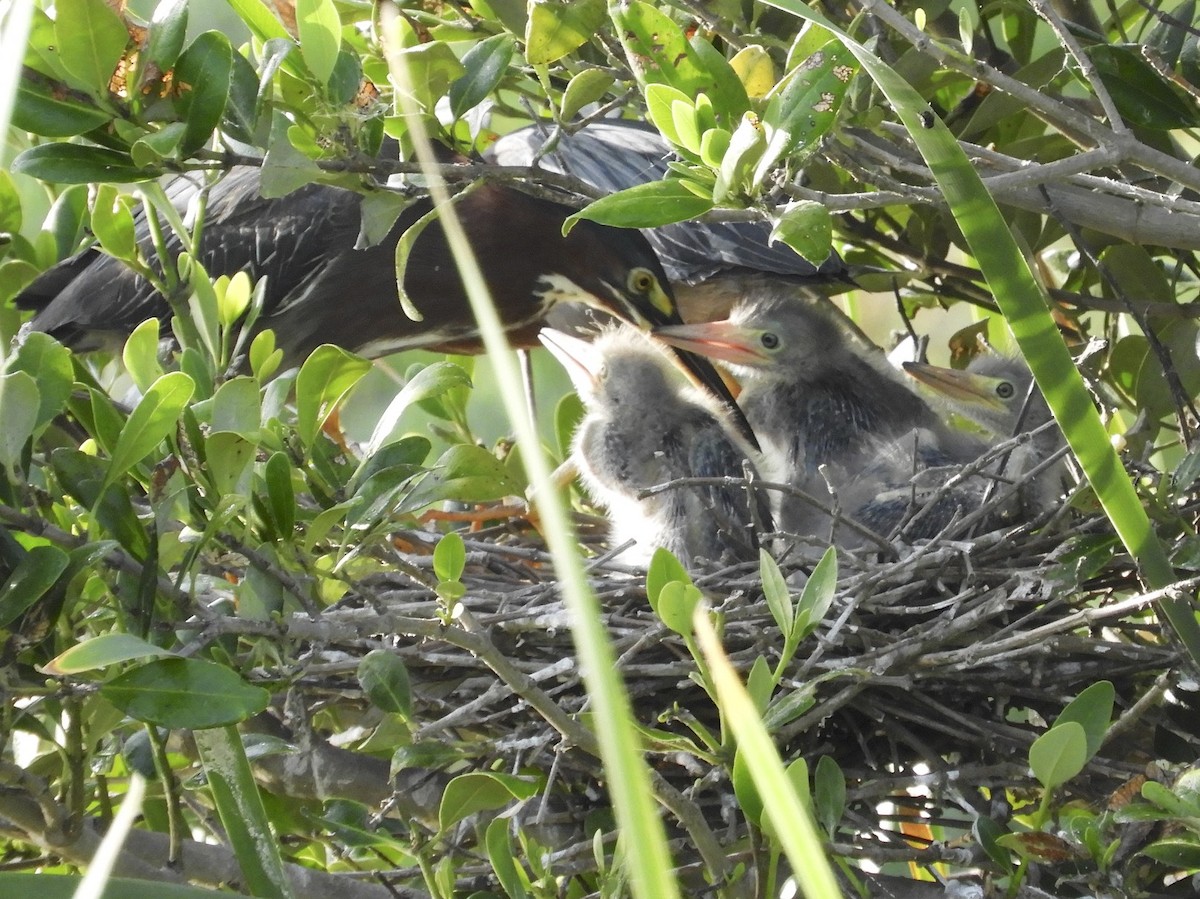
(792, 822)
(1027, 311)
(628, 778)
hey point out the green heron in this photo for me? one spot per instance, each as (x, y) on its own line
(322, 288)
(644, 428)
(821, 399)
(998, 395)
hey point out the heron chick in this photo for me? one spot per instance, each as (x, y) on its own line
(998, 395)
(822, 399)
(645, 428)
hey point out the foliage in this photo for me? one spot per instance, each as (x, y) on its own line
(206, 555)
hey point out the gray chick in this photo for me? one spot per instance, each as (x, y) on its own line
(645, 427)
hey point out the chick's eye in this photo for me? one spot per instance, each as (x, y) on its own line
(769, 340)
(1005, 390)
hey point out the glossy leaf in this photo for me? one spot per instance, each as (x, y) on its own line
(77, 164)
(469, 794)
(676, 603)
(806, 227)
(185, 693)
(102, 651)
(324, 380)
(588, 86)
(432, 380)
(449, 557)
(320, 36)
(660, 53)
(776, 593)
(504, 859)
(1142, 96)
(45, 111)
(829, 793)
(97, 38)
(154, 417)
(240, 808)
(49, 363)
(555, 28)
(644, 206)
(1059, 754)
(237, 407)
(486, 64)
(20, 401)
(112, 222)
(466, 473)
(205, 68)
(384, 679)
(1092, 710)
(168, 29)
(664, 569)
(35, 574)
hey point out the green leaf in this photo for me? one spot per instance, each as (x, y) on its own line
(140, 354)
(1178, 852)
(644, 206)
(324, 380)
(240, 808)
(481, 791)
(554, 29)
(775, 590)
(803, 107)
(205, 69)
(49, 363)
(432, 67)
(486, 64)
(38, 571)
(503, 858)
(466, 473)
(20, 401)
(1059, 754)
(449, 557)
(664, 569)
(384, 679)
(229, 457)
(154, 417)
(185, 693)
(987, 833)
(432, 380)
(1142, 96)
(586, 87)
(806, 227)
(102, 651)
(92, 39)
(676, 603)
(168, 29)
(748, 798)
(320, 36)
(112, 223)
(1092, 710)
(818, 594)
(237, 407)
(10, 204)
(77, 164)
(42, 110)
(829, 793)
(659, 52)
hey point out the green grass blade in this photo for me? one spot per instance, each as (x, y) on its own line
(627, 775)
(1026, 309)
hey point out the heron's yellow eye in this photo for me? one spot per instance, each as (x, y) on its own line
(1005, 390)
(642, 280)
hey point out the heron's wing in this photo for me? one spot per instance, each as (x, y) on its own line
(735, 517)
(615, 154)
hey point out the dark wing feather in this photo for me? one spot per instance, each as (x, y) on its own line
(615, 154)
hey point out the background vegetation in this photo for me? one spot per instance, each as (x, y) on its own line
(326, 694)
